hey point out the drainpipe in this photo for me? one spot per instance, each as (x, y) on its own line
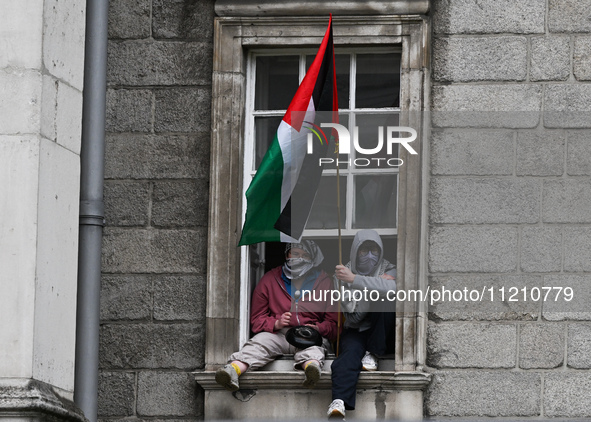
(92, 154)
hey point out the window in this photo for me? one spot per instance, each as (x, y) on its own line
(368, 83)
(244, 112)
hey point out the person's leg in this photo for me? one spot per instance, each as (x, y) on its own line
(311, 361)
(261, 349)
(239, 366)
(382, 327)
(257, 352)
(305, 356)
(347, 366)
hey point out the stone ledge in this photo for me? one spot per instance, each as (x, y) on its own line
(272, 380)
(318, 7)
(32, 398)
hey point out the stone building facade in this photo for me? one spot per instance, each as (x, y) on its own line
(500, 197)
(507, 205)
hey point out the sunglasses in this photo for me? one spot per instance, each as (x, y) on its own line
(364, 250)
(295, 254)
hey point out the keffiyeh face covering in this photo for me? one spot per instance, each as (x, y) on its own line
(296, 267)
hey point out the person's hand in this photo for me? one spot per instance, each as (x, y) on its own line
(388, 277)
(313, 326)
(283, 321)
(344, 274)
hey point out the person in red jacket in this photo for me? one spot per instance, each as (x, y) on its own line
(285, 297)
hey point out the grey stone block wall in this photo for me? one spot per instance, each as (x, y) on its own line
(473, 393)
(152, 333)
(550, 58)
(510, 206)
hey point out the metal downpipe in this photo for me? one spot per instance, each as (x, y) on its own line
(91, 208)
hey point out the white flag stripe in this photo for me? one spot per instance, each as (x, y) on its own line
(292, 165)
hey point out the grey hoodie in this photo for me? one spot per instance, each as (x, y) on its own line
(356, 312)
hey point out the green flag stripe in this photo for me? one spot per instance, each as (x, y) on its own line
(263, 199)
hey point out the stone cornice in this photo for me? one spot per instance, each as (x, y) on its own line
(33, 397)
(319, 7)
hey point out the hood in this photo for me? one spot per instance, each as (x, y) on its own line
(360, 237)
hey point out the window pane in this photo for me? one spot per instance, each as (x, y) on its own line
(378, 80)
(265, 129)
(375, 201)
(331, 151)
(277, 80)
(324, 210)
(342, 66)
(368, 125)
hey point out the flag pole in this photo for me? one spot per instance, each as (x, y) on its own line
(339, 211)
(340, 249)
(337, 150)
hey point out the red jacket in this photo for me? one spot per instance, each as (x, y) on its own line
(270, 300)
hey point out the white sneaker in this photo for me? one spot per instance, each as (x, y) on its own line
(369, 362)
(336, 410)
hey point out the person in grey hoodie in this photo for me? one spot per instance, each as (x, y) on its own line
(367, 323)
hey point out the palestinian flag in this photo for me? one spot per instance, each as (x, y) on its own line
(281, 194)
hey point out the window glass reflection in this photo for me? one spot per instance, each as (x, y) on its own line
(277, 81)
(378, 80)
(342, 68)
(368, 125)
(265, 129)
(375, 201)
(331, 152)
(324, 210)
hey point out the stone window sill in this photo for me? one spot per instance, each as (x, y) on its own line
(285, 363)
(291, 379)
